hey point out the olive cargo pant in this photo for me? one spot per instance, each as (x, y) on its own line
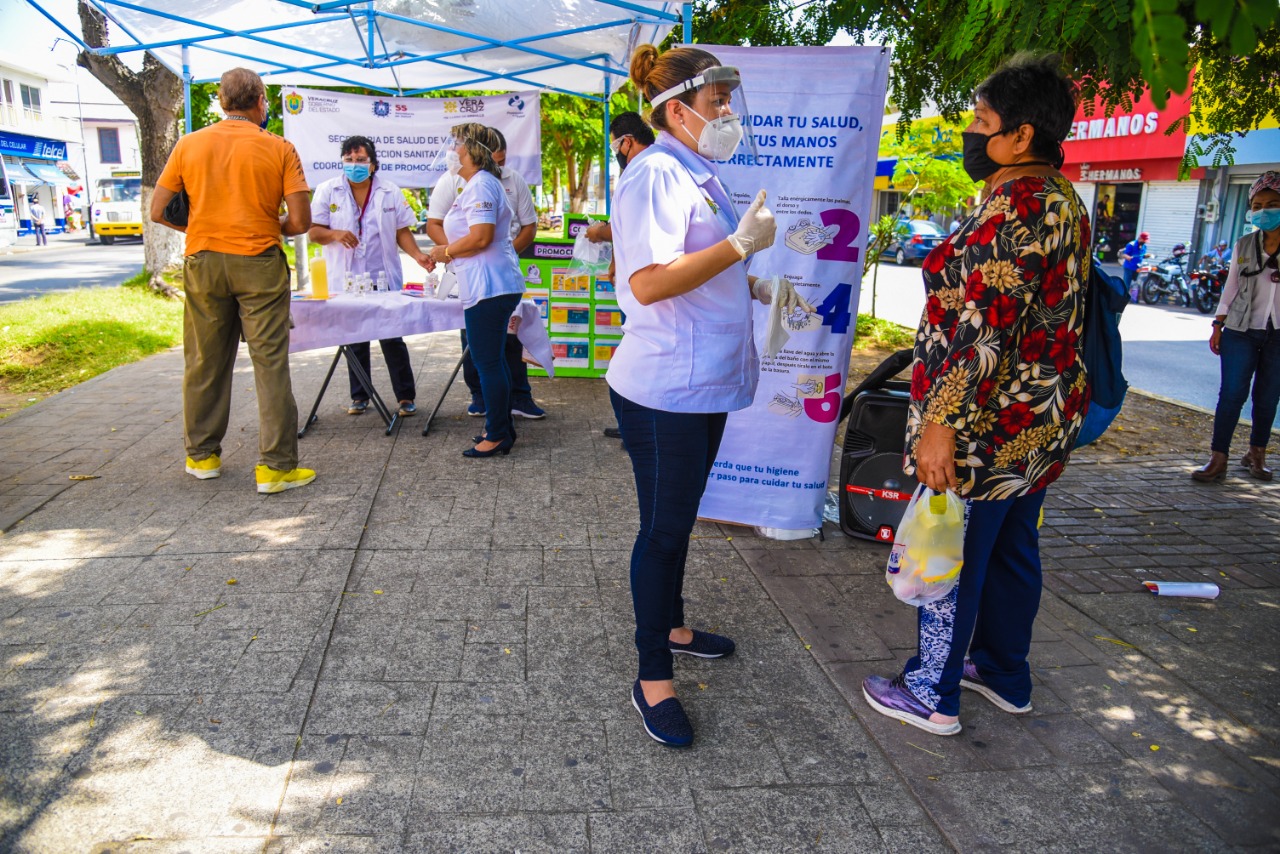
(228, 294)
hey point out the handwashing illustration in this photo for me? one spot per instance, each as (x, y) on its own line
(807, 238)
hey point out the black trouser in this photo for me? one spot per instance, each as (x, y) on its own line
(514, 353)
(396, 354)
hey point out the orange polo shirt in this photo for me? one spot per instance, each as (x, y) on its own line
(236, 175)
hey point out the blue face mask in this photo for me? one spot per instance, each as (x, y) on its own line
(1267, 219)
(357, 173)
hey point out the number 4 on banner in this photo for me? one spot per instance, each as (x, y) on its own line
(834, 310)
(826, 409)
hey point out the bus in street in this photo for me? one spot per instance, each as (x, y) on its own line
(117, 206)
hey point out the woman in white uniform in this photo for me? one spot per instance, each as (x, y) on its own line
(478, 233)
(688, 356)
(362, 220)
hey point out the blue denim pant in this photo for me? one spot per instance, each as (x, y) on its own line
(671, 456)
(990, 611)
(487, 335)
(520, 389)
(1128, 276)
(1250, 357)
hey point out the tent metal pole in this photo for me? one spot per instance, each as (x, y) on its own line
(186, 86)
(686, 14)
(604, 160)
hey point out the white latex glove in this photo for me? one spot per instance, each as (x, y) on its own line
(755, 229)
(788, 299)
(777, 287)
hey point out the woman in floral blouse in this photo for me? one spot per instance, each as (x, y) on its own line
(998, 393)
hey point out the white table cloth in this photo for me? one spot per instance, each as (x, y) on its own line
(350, 319)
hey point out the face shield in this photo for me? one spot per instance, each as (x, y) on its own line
(448, 160)
(719, 89)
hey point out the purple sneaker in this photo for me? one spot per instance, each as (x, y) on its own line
(893, 699)
(973, 682)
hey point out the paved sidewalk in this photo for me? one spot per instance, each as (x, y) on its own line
(424, 653)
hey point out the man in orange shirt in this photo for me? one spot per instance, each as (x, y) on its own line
(236, 278)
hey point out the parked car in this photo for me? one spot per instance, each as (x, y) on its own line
(924, 235)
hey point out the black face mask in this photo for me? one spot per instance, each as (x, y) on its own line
(622, 160)
(979, 165)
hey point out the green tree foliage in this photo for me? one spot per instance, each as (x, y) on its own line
(942, 49)
(929, 172)
(573, 140)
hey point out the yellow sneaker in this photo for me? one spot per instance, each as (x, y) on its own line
(271, 481)
(209, 467)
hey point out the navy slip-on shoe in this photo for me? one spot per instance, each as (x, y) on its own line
(704, 645)
(666, 723)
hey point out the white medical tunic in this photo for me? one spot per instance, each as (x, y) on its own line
(449, 187)
(386, 212)
(694, 352)
(495, 271)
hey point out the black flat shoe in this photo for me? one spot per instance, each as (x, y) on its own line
(503, 447)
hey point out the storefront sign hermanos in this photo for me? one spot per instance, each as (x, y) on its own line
(1087, 174)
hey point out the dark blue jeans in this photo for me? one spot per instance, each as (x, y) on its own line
(396, 354)
(1129, 276)
(671, 456)
(1250, 357)
(487, 334)
(520, 388)
(990, 611)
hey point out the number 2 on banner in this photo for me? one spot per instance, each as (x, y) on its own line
(825, 409)
(834, 310)
(842, 248)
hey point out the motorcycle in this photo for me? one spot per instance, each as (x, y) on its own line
(1206, 287)
(1102, 249)
(1166, 279)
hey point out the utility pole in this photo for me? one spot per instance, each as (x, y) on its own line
(87, 195)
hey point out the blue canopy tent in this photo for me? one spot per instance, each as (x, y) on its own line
(397, 47)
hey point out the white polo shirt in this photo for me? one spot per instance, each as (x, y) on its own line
(333, 206)
(694, 352)
(449, 187)
(495, 271)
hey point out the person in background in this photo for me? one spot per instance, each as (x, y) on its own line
(628, 136)
(524, 226)
(1132, 255)
(39, 219)
(998, 393)
(236, 278)
(477, 234)
(362, 220)
(681, 249)
(68, 206)
(1246, 338)
(1220, 254)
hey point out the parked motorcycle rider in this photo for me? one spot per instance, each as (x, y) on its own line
(1132, 255)
(1219, 255)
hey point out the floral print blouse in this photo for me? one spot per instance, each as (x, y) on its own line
(998, 352)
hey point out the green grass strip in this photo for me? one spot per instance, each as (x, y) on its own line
(53, 342)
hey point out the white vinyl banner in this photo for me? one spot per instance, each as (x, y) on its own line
(816, 115)
(407, 132)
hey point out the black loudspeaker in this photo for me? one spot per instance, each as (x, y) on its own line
(874, 491)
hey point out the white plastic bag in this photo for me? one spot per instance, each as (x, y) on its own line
(448, 284)
(928, 551)
(590, 258)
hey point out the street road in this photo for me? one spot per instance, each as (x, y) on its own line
(68, 264)
(1166, 349)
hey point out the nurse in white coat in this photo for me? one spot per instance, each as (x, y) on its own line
(688, 357)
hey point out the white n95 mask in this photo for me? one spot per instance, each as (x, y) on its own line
(719, 137)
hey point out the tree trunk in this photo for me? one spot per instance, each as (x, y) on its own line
(154, 96)
(579, 200)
